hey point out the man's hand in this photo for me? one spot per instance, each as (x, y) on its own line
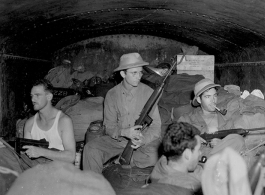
(132, 132)
(203, 141)
(214, 142)
(33, 152)
(138, 141)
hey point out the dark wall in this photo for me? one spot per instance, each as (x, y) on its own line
(17, 76)
(101, 55)
(248, 76)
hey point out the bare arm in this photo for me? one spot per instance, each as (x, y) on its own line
(28, 127)
(65, 126)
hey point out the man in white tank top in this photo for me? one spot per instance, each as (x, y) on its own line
(51, 124)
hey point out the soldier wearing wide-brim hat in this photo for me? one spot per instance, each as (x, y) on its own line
(130, 60)
(202, 86)
(122, 107)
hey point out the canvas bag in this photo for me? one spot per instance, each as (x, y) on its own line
(60, 178)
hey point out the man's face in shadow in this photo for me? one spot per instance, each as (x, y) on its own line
(208, 100)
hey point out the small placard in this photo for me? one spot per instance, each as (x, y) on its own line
(59, 93)
(197, 64)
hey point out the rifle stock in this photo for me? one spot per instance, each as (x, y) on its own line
(223, 133)
(144, 119)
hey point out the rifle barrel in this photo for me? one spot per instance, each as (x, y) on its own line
(256, 129)
(173, 67)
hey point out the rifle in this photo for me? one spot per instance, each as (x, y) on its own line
(223, 133)
(20, 142)
(27, 162)
(144, 119)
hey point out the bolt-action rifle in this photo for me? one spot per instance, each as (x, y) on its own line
(144, 119)
(223, 133)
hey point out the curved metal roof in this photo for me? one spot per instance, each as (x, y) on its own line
(228, 29)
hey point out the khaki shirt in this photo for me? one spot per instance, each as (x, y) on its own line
(195, 118)
(122, 108)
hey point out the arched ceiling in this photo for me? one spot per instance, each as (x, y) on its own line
(37, 28)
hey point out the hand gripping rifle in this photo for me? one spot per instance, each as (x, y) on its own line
(144, 119)
(20, 142)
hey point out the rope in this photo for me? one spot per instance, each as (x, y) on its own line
(5, 170)
(260, 144)
(11, 56)
(258, 63)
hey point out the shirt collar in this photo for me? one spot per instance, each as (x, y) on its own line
(126, 91)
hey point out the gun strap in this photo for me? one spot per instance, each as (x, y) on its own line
(23, 157)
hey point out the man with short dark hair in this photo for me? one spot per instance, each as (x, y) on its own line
(50, 124)
(181, 152)
(122, 107)
(208, 120)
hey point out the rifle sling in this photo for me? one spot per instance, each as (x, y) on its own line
(24, 157)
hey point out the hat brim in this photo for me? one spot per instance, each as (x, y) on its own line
(194, 101)
(131, 66)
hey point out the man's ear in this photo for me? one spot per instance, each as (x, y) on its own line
(187, 154)
(50, 96)
(199, 100)
(122, 73)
